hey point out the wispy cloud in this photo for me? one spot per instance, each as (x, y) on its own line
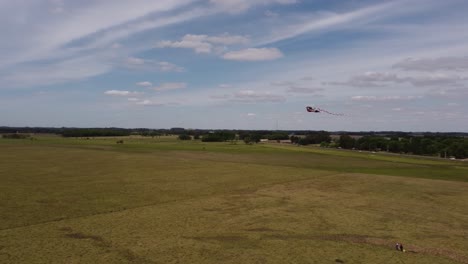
(144, 84)
(378, 79)
(55, 73)
(329, 20)
(372, 98)
(204, 43)
(249, 96)
(170, 86)
(433, 64)
(121, 93)
(140, 64)
(147, 102)
(238, 6)
(254, 54)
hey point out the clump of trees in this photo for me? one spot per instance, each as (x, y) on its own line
(250, 137)
(150, 133)
(442, 146)
(219, 136)
(185, 137)
(319, 137)
(16, 136)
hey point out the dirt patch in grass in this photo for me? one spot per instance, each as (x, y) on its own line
(219, 238)
(261, 229)
(83, 236)
(100, 242)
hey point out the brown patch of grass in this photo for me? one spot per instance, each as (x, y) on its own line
(66, 229)
(83, 236)
(261, 229)
(225, 238)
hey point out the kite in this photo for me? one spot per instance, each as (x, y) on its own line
(311, 109)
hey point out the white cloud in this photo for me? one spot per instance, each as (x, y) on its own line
(150, 65)
(220, 96)
(204, 43)
(370, 79)
(48, 35)
(460, 93)
(371, 98)
(170, 86)
(254, 54)
(165, 66)
(148, 102)
(133, 99)
(293, 87)
(238, 6)
(378, 79)
(144, 84)
(329, 20)
(433, 64)
(58, 72)
(303, 90)
(135, 61)
(249, 96)
(223, 85)
(121, 93)
(188, 42)
(79, 30)
(251, 114)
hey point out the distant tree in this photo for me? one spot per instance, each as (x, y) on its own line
(294, 139)
(219, 136)
(185, 137)
(278, 136)
(315, 138)
(247, 140)
(322, 136)
(346, 142)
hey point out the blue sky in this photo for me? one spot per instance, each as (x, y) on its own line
(236, 64)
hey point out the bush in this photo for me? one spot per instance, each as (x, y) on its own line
(185, 137)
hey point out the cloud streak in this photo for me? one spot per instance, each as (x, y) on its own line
(170, 86)
(254, 54)
(433, 64)
(121, 93)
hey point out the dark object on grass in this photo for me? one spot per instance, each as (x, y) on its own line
(119, 142)
(339, 261)
(399, 247)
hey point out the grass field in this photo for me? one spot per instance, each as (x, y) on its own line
(161, 200)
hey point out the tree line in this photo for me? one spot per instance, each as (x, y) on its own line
(443, 146)
(453, 144)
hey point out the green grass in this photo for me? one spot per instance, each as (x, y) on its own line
(161, 200)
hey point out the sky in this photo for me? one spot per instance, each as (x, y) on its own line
(398, 65)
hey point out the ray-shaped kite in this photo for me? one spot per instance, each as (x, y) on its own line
(311, 109)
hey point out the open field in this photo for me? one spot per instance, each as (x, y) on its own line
(164, 201)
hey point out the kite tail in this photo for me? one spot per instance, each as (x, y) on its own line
(335, 114)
